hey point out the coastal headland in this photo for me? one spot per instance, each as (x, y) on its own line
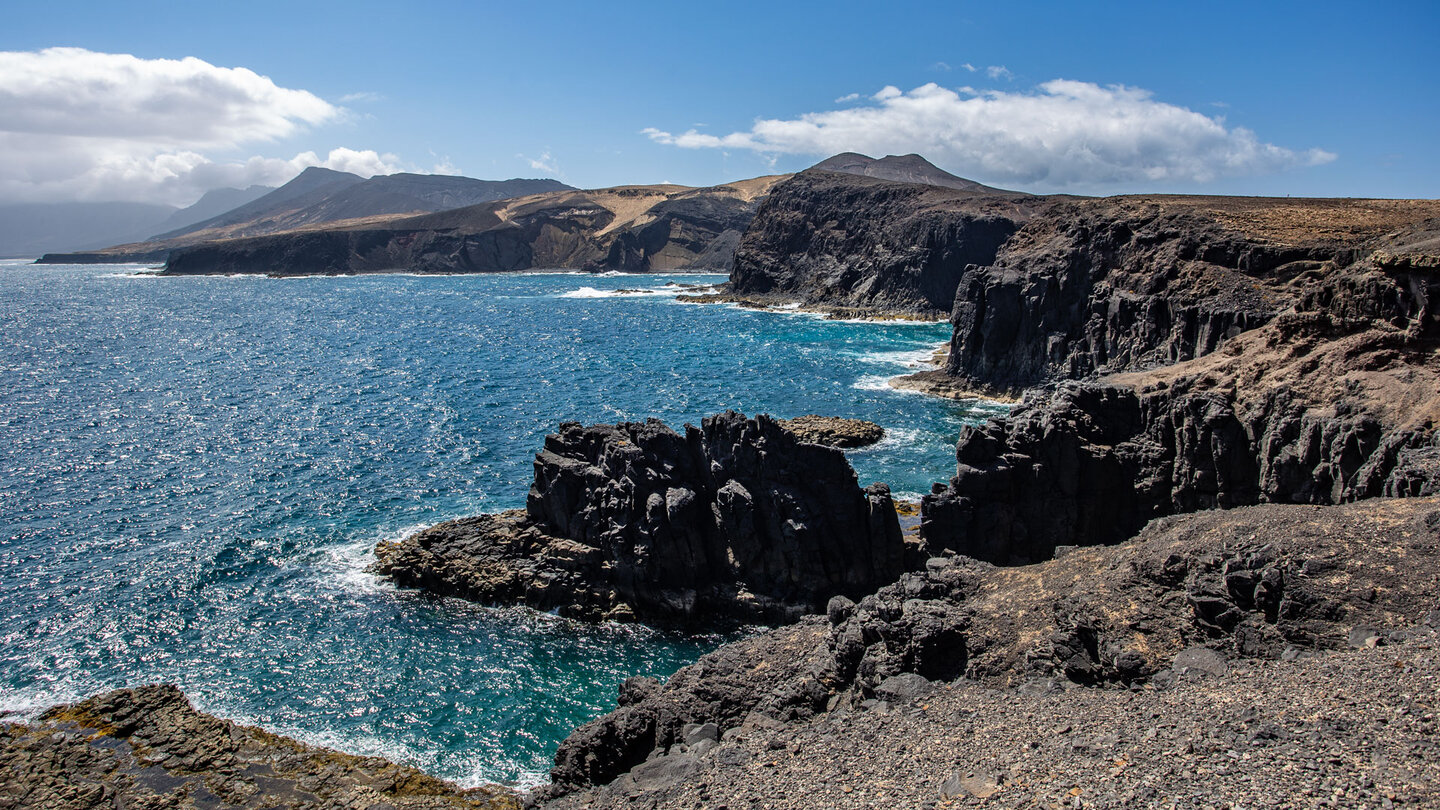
(1197, 559)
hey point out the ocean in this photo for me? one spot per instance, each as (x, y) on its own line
(194, 473)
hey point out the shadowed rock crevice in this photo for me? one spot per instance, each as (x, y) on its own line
(1334, 400)
(735, 519)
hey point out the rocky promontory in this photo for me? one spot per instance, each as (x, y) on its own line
(828, 239)
(736, 519)
(148, 748)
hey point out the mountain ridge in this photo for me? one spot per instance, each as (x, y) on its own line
(911, 168)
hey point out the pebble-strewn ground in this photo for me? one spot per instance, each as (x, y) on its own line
(1352, 728)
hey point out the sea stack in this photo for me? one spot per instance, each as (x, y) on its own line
(735, 519)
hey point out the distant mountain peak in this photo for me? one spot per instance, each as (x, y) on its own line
(911, 168)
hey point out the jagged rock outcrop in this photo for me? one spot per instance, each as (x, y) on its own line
(147, 747)
(1188, 592)
(630, 228)
(1334, 400)
(1129, 283)
(842, 240)
(735, 519)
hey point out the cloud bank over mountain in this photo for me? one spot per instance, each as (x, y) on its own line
(82, 125)
(1062, 136)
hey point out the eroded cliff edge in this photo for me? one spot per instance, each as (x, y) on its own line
(1333, 398)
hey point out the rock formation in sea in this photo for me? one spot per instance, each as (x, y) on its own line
(834, 431)
(736, 519)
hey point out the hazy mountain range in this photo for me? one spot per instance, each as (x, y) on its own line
(315, 196)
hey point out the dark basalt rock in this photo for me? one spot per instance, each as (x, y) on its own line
(830, 239)
(1090, 463)
(1090, 288)
(1262, 582)
(735, 519)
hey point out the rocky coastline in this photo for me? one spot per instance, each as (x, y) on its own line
(1194, 566)
(148, 747)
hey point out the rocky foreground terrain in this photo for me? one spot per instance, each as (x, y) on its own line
(1353, 729)
(148, 748)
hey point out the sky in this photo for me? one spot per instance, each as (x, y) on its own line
(159, 102)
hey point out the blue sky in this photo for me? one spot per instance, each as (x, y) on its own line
(1314, 99)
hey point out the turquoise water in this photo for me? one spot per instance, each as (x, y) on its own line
(193, 473)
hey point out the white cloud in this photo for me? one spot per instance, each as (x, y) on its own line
(847, 98)
(544, 163)
(81, 125)
(1064, 135)
(365, 96)
(941, 66)
(999, 72)
(969, 67)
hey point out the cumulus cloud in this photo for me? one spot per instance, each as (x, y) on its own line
(999, 72)
(1063, 135)
(100, 126)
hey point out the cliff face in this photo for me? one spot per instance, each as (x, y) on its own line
(1128, 283)
(826, 238)
(632, 229)
(1334, 400)
(736, 518)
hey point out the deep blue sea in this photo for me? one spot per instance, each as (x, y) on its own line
(194, 471)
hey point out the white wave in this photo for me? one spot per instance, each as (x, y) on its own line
(345, 564)
(893, 438)
(646, 292)
(909, 358)
(881, 382)
(23, 706)
(136, 274)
